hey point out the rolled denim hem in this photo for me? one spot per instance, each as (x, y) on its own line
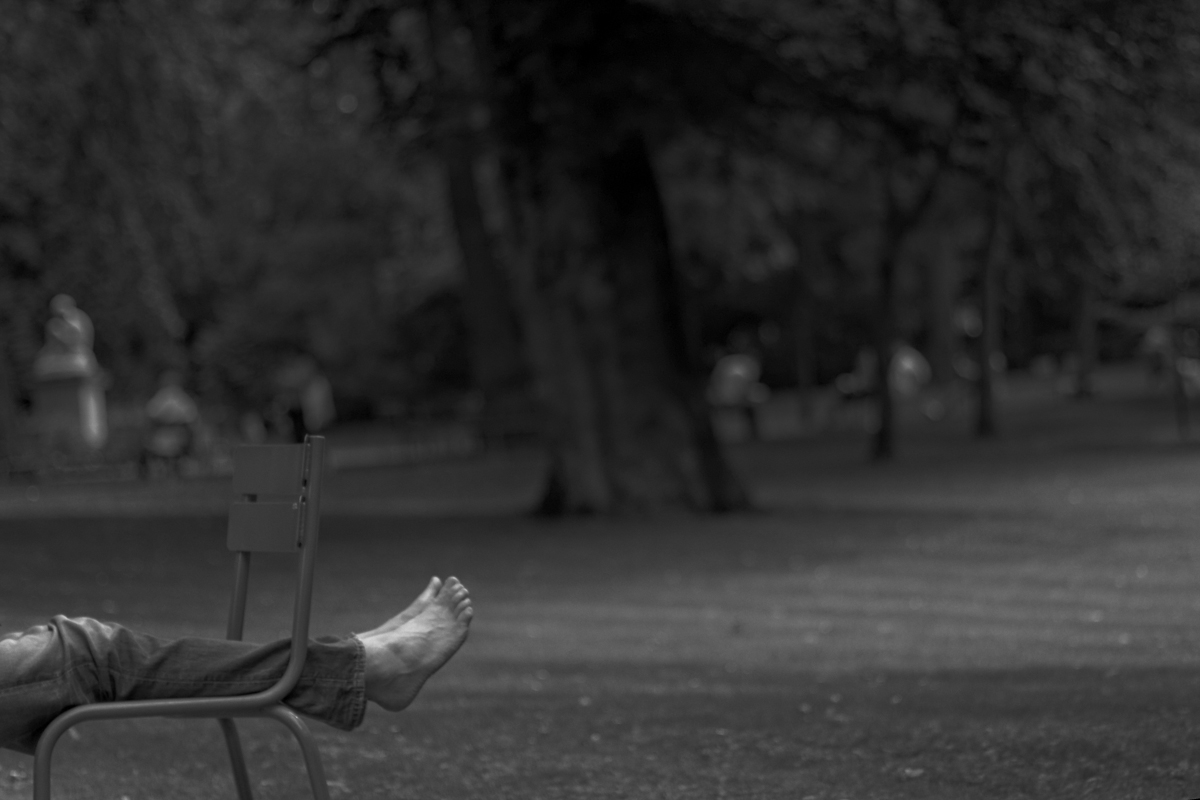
(333, 686)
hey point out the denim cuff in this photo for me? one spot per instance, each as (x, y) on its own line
(333, 684)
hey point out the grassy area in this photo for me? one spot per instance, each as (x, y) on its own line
(1005, 620)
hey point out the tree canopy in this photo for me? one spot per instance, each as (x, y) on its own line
(225, 183)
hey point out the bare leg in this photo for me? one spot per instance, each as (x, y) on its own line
(413, 609)
(400, 659)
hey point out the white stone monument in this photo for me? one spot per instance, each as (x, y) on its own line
(68, 395)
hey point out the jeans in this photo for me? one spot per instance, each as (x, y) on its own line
(68, 662)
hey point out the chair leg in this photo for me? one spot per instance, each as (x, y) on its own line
(42, 757)
(237, 759)
(308, 746)
(45, 748)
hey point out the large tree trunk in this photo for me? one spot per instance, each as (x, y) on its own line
(628, 424)
(497, 365)
(625, 414)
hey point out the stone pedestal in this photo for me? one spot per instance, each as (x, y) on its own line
(70, 411)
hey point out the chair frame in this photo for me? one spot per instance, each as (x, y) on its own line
(264, 704)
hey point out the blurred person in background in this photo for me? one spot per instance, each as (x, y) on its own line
(908, 373)
(734, 383)
(303, 400)
(1157, 349)
(173, 417)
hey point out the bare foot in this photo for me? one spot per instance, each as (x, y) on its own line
(414, 608)
(401, 659)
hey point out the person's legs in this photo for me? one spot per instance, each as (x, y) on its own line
(68, 662)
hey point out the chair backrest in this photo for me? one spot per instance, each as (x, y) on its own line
(276, 509)
(271, 486)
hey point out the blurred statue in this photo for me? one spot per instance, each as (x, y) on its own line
(69, 394)
(68, 349)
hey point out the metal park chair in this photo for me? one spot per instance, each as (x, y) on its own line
(277, 510)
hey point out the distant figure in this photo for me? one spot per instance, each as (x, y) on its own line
(909, 371)
(173, 416)
(968, 323)
(1189, 375)
(734, 384)
(1156, 349)
(253, 428)
(304, 398)
(860, 381)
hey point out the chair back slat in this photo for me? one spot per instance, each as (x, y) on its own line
(269, 527)
(276, 469)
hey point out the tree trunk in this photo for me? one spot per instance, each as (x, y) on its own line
(989, 309)
(805, 235)
(884, 443)
(1178, 388)
(804, 337)
(941, 290)
(898, 223)
(8, 414)
(1018, 338)
(625, 415)
(1085, 337)
(628, 424)
(497, 364)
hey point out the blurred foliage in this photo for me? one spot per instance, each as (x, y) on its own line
(210, 205)
(223, 184)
